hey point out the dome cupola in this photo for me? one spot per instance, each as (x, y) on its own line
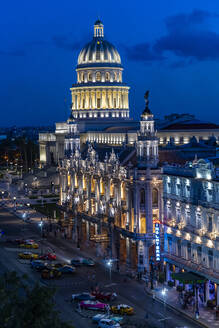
(98, 50)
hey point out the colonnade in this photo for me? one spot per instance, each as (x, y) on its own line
(97, 98)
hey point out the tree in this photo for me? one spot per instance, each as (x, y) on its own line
(24, 306)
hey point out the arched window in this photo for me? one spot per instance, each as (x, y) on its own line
(155, 197)
(82, 77)
(115, 76)
(98, 76)
(142, 196)
(107, 76)
(89, 77)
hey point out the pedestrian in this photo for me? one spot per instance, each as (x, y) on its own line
(55, 232)
(154, 297)
(65, 235)
(108, 309)
(146, 315)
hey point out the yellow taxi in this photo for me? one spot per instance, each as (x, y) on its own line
(29, 245)
(28, 256)
(122, 309)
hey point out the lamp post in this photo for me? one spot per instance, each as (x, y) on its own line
(109, 264)
(3, 194)
(28, 206)
(76, 227)
(14, 203)
(41, 230)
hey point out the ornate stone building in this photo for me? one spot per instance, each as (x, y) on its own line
(191, 218)
(115, 194)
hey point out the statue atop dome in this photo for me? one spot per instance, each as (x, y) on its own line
(146, 111)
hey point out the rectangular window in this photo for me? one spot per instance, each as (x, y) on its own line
(210, 224)
(114, 102)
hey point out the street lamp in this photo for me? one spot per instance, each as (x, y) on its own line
(14, 202)
(3, 194)
(28, 206)
(41, 229)
(109, 264)
(76, 227)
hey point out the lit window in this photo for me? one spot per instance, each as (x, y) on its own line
(107, 77)
(89, 77)
(98, 76)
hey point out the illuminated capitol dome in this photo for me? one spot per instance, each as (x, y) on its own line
(99, 91)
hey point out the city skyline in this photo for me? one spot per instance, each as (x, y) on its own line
(163, 50)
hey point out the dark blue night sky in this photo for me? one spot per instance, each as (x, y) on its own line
(168, 47)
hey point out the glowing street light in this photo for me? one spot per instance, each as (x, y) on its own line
(109, 264)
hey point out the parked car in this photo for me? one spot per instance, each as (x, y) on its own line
(38, 265)
(28, 256)
(66, 269)
(48, 257)
(100, 316)
(82, 297)
(76, 262)
(93, 305)
(50, 274)
(104, 296)
(29, 244)
(122, 309)
(82, 261)
(87, 261)
(108, 323)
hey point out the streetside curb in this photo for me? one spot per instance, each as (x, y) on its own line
(176, 310)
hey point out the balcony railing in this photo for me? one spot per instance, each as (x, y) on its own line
(201, 268)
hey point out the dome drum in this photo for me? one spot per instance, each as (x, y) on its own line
(99, 75)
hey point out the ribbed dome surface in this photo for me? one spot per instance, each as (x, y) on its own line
(99, 51)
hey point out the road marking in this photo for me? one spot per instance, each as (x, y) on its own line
(163, 319)
(110, 285)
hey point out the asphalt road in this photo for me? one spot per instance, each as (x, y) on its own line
(131, 293)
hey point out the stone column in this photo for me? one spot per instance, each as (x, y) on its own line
(148, 203)
(207, 292)
(136, 208)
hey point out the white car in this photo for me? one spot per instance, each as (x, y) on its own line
(108, 323)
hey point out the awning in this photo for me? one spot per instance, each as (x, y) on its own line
(188, 277)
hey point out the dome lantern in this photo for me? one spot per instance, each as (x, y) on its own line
(98, 29)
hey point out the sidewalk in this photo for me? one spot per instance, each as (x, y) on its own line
(206, 316)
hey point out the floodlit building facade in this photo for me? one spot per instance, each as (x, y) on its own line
(191, 218)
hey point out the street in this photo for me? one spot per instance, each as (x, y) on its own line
(152, 313)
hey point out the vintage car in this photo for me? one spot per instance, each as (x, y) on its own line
(93, 305)
(104, 296)
(122, 309)
(82, 297)
(48, 257)
(28, 256)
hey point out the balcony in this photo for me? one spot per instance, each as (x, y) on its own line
(199, 268)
